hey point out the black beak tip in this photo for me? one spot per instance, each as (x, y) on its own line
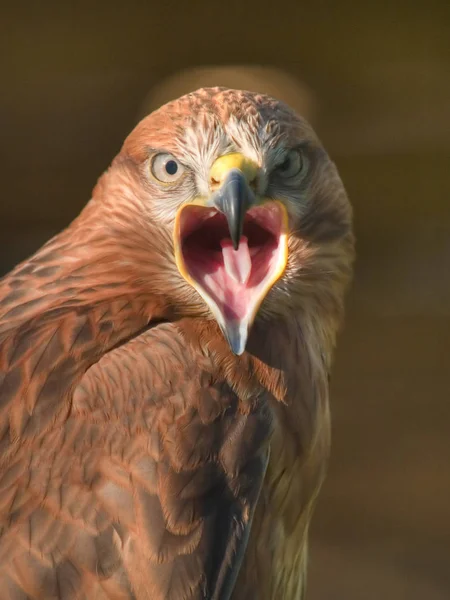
(234, 199)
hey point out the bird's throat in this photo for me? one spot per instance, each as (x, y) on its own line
(232, 282)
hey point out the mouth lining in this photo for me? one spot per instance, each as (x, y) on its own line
(233, 283)
(213, 228)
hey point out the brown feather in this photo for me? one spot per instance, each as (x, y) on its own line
(134, 446)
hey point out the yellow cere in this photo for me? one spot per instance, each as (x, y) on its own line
(223, 165)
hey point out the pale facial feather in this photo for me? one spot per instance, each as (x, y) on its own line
(200, 127)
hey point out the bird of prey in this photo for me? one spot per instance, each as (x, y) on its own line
(164, 363)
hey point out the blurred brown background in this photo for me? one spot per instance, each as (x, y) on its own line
(374, 80)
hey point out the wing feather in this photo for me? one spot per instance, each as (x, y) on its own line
(145, 487)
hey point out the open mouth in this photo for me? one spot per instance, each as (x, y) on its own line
(232, 282)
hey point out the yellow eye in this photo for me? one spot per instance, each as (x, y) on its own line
(166, 168)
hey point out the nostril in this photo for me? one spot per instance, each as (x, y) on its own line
(253, 183)
(216, 182)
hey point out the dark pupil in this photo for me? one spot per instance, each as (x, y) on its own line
(286, 164)
(171, 167)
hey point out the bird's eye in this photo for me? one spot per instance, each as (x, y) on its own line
(291, 165)
(166, 168)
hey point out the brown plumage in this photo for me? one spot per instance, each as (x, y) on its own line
(138, 454)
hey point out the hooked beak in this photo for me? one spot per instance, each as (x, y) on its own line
(233, 199)
(231, 247)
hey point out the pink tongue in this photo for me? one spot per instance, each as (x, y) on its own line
(237, 263)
